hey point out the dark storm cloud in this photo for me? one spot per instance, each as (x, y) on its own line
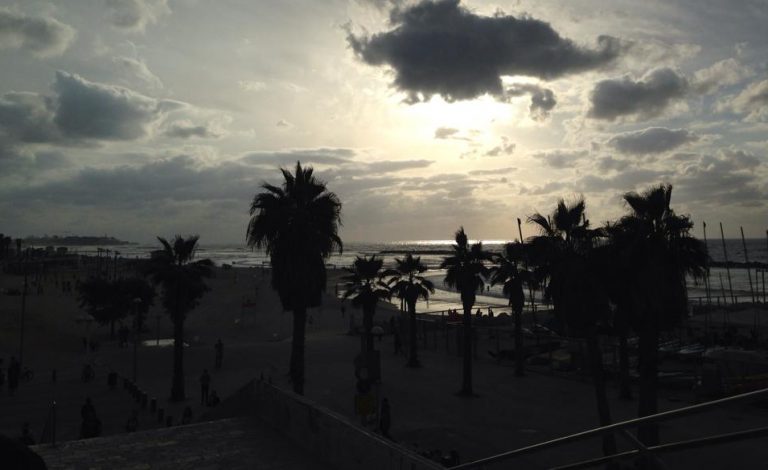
(26, 117)
(542, 99)
(651, 140)
(642, 99)
(288, 158)
(94, 111)
(41, 36)
(182, 130)
(442, 48)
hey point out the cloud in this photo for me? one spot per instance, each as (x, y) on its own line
(89, 110)
(445, 132)
(442, 48)
(283, 123)
(186, 130)
(135, 15)
(288, 158)
(28, 118)
(609, 163)
(391, 166)
(642, 99)
(251, 85)
(494, 172)
(505, 148)
(563, 158)
(727, 178)
(138, 69)
(720, 74)
(43, 37)
(542, 99)
(651, 140)
(752, 101)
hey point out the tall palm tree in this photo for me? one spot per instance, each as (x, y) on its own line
(659, 246)
(366, 287)
(466, 270)
(507, 273)
(565, 249)
(407, 283)
(297, 224)
(182, 279)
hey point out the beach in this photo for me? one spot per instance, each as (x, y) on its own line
(245, 313)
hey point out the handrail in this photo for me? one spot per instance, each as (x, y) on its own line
(664, 415)
(671, 447)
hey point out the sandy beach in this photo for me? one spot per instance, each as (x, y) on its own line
(245, 313)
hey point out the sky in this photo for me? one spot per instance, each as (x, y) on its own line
(139, 118)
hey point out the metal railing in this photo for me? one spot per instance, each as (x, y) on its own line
(623, 426)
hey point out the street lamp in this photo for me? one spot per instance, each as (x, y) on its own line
(137, 327)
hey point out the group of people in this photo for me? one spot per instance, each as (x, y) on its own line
(14, 374)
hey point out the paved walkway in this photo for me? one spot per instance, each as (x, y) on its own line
(231, 444)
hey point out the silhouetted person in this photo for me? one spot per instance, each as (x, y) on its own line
(112, 380)
(213, 400)
(133, 422)
(14, 371)
(91, 425)
(205, 383)
(186, 416)
(219, 346)
(385, 419)
(26, 436)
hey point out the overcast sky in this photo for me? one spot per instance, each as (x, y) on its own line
(138, 118)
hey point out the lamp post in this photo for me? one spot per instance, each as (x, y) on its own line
(137, 328)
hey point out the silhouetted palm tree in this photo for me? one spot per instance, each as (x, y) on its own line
(662, 252)
(297, 224)
(181, 277)
(366, 287)
(407, 283)
(507, 273)
(466, 270)
(565, 249)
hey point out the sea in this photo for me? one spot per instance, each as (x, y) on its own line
(723, 283)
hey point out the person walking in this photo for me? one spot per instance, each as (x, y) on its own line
(219, 347)
(205, 383)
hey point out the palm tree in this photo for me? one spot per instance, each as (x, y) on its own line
(407, 284)
(297, 224)
(465, 272)
(507, 273)
(661, 250)
(565, 249)
(366, 287)
(181, 277)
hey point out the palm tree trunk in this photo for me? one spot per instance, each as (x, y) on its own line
(367, 326)
(413, 357)
(297, 349)
(519, 359)
(625, 390)
(466, 384)
(598, 380)
(177, 386)
(647, 403)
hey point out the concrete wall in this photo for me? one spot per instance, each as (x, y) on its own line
(329, 436)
